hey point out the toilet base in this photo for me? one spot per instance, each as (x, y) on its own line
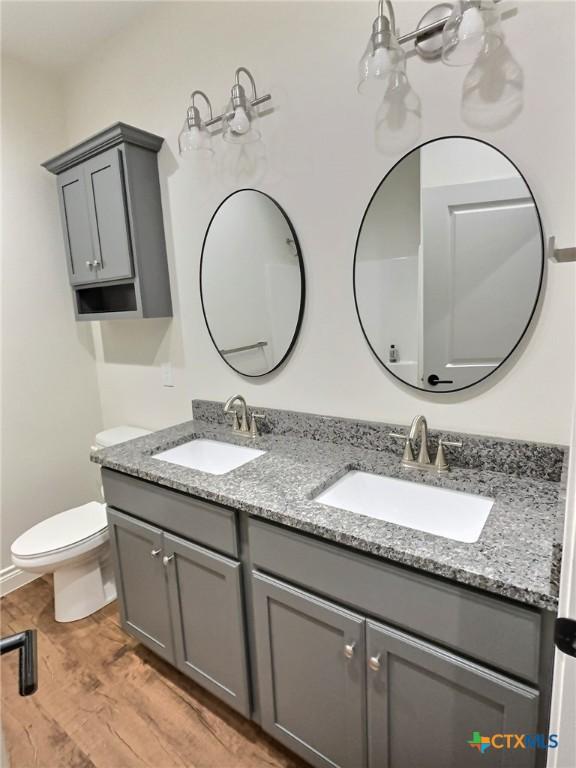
(83, 587)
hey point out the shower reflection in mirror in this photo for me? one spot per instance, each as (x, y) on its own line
(448, 264)
(252, 282)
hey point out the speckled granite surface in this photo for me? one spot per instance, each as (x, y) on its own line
(514, 457)
(517, 555)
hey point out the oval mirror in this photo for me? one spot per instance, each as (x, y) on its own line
(448, 264)
(252, 282)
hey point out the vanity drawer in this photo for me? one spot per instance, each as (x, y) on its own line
(495, 631)
(200, 521)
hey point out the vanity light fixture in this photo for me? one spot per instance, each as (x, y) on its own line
(195, 136)
(457, 32)
(239, 121)
(384, 55)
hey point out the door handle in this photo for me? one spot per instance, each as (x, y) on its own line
(25, 644)
(166, 559)
(433, 380)
(565, 636)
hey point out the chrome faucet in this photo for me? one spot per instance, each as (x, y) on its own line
(419, 428)
(243, 425)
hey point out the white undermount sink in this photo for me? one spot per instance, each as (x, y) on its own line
(452, 514)
(210, 456)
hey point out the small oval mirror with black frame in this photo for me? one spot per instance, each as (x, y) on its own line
(252, 282)
(448, 264)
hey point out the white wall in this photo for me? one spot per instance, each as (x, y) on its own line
(323, 169)
(50, 402)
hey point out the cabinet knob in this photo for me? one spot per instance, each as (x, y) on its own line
(166, 559)
(374, 663)
(155, 552)
(90, 265)
(349, 649)
(96, 264)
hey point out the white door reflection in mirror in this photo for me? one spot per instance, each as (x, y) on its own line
(252, 282)
(448, 264)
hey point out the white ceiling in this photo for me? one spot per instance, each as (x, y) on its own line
(58, 35)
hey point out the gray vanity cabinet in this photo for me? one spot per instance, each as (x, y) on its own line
(311, 678)
(425, 703)
(141, 582)
(208, 619)
(342, 690)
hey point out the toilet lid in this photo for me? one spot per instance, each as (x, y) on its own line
(62, 530)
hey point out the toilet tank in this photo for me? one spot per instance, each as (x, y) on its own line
(116, 435)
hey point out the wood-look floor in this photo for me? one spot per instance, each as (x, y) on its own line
(105, 701)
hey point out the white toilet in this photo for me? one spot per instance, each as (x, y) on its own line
(74, 546)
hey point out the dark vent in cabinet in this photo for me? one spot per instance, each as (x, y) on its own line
(107, 298)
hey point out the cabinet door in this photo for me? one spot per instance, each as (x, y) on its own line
(76, 225)
(141, 582)
(208, 620)
(109, 215)
(311, 674)
(424, 705)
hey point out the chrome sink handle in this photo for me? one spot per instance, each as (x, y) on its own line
(440, 463)
(408, 454)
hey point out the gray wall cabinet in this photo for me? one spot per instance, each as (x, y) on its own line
(111, 212)
(350, 661)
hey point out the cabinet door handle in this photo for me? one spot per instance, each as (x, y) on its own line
(349, 649)
(166, 559)
(155, 552)
(374, 663)
(90, 265)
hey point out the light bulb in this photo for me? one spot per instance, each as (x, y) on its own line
(240, 122)
(472, 24)
(473, 28)
(378, 63)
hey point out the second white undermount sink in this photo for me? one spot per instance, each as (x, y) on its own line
(452, 514)
(212, 456)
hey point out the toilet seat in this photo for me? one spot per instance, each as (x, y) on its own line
(79, 529)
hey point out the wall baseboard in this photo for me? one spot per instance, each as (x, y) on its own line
(12, 578)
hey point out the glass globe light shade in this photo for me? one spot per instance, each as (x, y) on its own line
(379, 62)
(472, 29)
(194, 138)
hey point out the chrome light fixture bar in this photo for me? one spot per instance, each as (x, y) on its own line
(239, 120)
(445, 28)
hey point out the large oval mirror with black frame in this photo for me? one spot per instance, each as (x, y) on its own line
(252, 282)
(448, 264)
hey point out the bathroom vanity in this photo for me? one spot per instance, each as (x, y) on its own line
(352, 640)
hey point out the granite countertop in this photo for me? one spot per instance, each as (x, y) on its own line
(517, 555)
